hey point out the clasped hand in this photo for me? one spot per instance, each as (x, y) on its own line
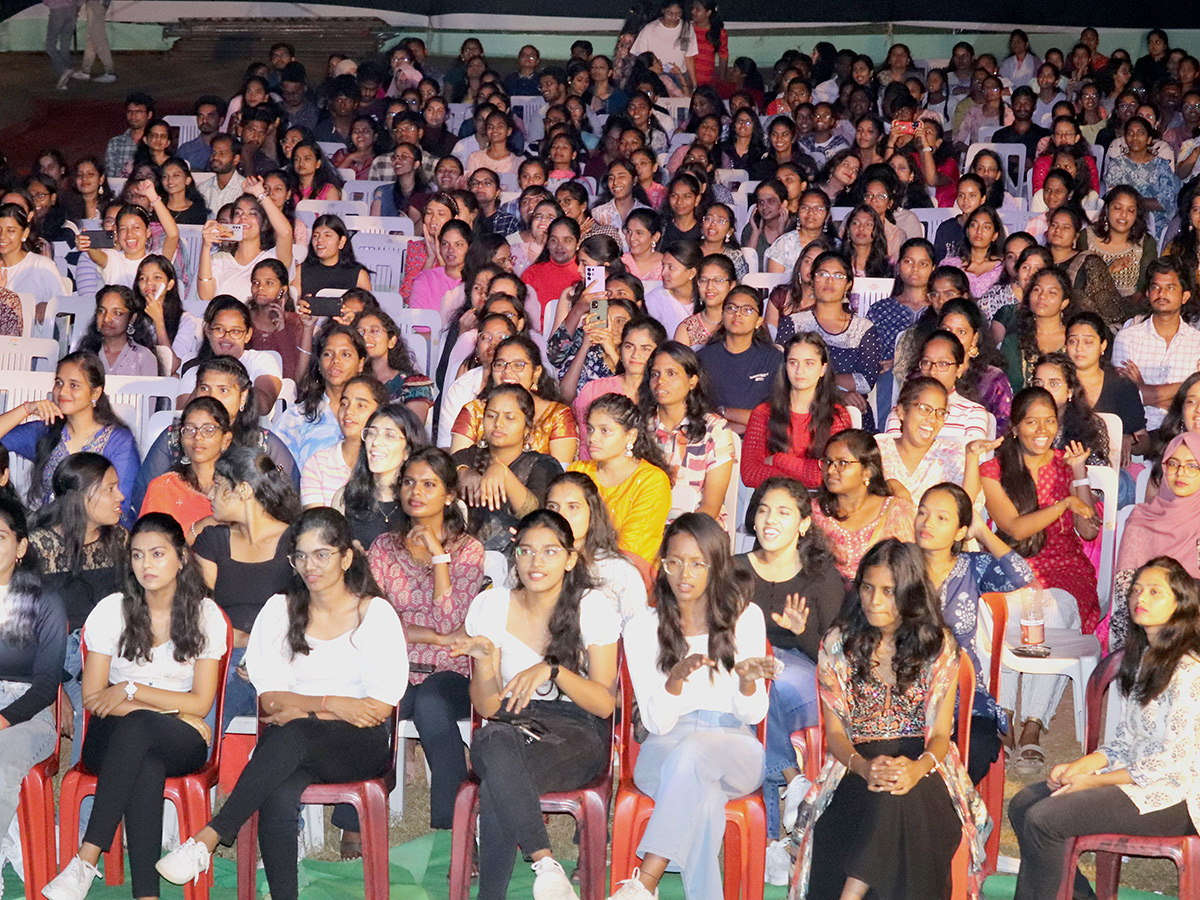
(893, 774)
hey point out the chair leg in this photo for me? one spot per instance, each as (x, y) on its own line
(1108, 874)
(754, 862)
(373, 814)
(247, 860)
(33, 850)
(114, 860)
(1066, 886)
(462, 840)
(70, 796)
(593, 841)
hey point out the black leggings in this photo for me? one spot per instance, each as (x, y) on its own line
(132, 757)
(287, 759)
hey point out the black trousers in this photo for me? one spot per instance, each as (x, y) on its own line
(132, 757)
(514, 772)
(287, 759)
(434, 705)
(1043, 824)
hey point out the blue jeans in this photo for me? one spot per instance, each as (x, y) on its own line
(240, 697)
(793, 707)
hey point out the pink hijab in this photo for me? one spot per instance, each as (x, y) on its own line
(1167, 526)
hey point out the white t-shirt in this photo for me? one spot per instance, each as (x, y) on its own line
(323, 476)
(368, 661)
(716, 690)
(232, 277)
(620, 581)
(189, 337)
(103, 630)
(663, 42)
(37, 275)
(664, 307)
(257, 363)
(599, 625)
(119, 268)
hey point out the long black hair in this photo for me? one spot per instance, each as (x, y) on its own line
(335, 224)
(1015, 479)
(454, 522)
(359, 494)
(1078, 421)
(727, 593)
(601, 540)
(920, 635)
(310, 389)
(628, 415)
(172, 302)
(245, 425)
(399, 357)
(820, 410)
(334, 529)
(212, 407)
(187, 633)
(985, 354)
(863, 448)
(74, 479)
(698, 405)
(102, 411)
(546, 387)
(216, 306)
(25, 585)
(815, 552)
(1147, 668)
(140, 330)
(566, 637)
(877, 265)
(271, 487)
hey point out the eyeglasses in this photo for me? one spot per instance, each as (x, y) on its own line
(549, 554)
(734, 310)
(673, 566)
(836, 465)
(1172, 466)
(208, 429)
(829, 276)
(715, 220)
(880, 198)
(703, 281)
(813, 208)
(479, 182)
(517, 365)
(218, 332)
(926, 410)
(300, 560)
(374, 433)
(936, 365)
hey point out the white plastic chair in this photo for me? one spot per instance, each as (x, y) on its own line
(868, 290)
(28, 313)
(135, 399)
(333, 207)
(361, 190)
(1007, 153)
(933, 217)
(731, 176)
(329, 148)
(683, 139)
(1105, 479)
(408, 731)
(548, 315)
(495, 567)
(766, 281)
(678, 108)
(17, 354)
(157, 424)
(855, 416)
(386, 266)
(116, 185)
(1116, 434)
(750, 255)
(193, 243)
(1141, 483)
(77, 310)
(188, 129)
(425, 324)
(383, 225)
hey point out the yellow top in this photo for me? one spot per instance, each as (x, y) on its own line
(639, 506)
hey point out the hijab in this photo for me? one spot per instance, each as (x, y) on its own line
(1168, 525)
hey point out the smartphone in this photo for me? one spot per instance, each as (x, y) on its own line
(909, 128)
(324, 306)
(599, 310)
(101, 240)
(232, 232)
(593, 278)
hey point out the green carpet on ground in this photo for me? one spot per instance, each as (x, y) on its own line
(418, 872)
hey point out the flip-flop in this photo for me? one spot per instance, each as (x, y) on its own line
(1031, 758)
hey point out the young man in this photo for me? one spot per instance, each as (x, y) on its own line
(1023, 129)
(209, 111)
(281, 56)
(407, 128)
(343, 104)
(298, 108)
(60, 32)
(139, 110)
(1158, 354)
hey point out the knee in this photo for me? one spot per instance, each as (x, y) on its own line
(494, 741)
(1022, 806)
(280, 811)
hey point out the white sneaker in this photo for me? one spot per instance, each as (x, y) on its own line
(779, 862)
(81, 76)
(106, 78)
(73, 882)
(185, 863)
(65, 77)
(797, 789)
(633, 889)
(551, 882)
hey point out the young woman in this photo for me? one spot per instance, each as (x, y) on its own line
(1121, 238)
(945, 519)
(371, 497)
(424, 254)
(1077, 423)
(204, 434)
(716, 278)
(328, 469)
(1138, 783)
(502, 481)
(530, 241)
(494, 153)
(717, 232)
(430, 569)
(409, 193)
(91, 191)
(276, 324)
(982, 382)
(622, 195)
(25, 271)
(746, 144)
(1042, 506)
(150, 679)
(316, 178)
(546, 649)
(1106, 390)
(951, 234)
(158, 289)
(1006, 293)
(77, 417)
(770, 223)
(310, 424)
(184, 200)
(432, 284)
(696, 663)
(630, 473)
(888, 672)
(676, 299)
(242, 552)
(266, 232)
(839, 174)
(391, 362)
(1145, 172)
(646, 163)
(118, 266)
(864, 243)
(798, 294)
(981, 254)
(797, 587)
(1087, 274)
(812, 227)
(856, 507)
(361, 152)
(557, 269)
(120, 334)
(943, 358)
(640, 337)
(328, 660)
(786, 436)
(1040, 324)
(330, 263)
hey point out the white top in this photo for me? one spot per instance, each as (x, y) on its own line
(368, 661)
(232, 277)
(663, 42)
(716, 690)
(119, 268)
(189, 337)
(37, 275)
(621, 582)
(462, 391)
(599, 626)
(323, 475)
(257, 363)
(103, 632)
(662, 306)
(966, 421)
(216, 197)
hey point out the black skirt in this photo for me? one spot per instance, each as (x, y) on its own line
(902, 846)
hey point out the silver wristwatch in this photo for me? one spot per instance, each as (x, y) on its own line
(130, 690)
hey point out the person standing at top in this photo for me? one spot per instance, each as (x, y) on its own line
(97, 44)
(60, 31)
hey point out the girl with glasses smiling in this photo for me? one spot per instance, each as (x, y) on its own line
(184, 492)
(943, 359)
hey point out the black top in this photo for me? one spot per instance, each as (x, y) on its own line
(317, 277)
(740, 380)
(824, 592)
(371, 524)
(38, 663)
(672, 233)
(195, 214)
(948, 239)
(1120, 396)
(242, 587)
(492, 527)
(100, 573)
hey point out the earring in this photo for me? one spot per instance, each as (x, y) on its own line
(629, 449)
(528, 446)
(482, 444)
(184, 460)
(129, 329)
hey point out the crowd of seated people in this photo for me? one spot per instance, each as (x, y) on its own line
(766, 377)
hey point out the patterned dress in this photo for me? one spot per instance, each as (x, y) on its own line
(895, 520)
(554, 423)
(690, 462)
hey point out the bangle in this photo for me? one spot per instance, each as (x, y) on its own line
(323, 700)
(932, 759)
(850, 762)
(202, 278)
(1080, 482)
(440, 558)
(926, 149)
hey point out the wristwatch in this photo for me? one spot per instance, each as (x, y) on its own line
(130, 690)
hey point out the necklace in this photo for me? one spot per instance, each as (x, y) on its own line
(387, 509)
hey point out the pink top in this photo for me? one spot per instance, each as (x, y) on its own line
(597, 387)
(430, 286)
(849, 547)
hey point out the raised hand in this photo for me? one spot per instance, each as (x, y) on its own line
(794, 616)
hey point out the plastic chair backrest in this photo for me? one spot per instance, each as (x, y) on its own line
(1007, 152)
(868, 290)
(361, 190)
(732, 176)
(188, 129)
(1098, 685)
(750, 255)
(855, 416)
(79, 308)
(1116, 434)
(386, 267)
(998, 604)
(28, 313)
(329, 148)
(495, 567)
(430, 324)
(134, 398)
(389, 225)
(766, 281)
(17, 354)
(1103, 478)
(191, 241)
(334, 207)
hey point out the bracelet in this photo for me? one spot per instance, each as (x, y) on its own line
(926, 149)
(1080, 482)
(850, 762)
(933, 759)
(202, 278)
(323, 700)
(440, 558)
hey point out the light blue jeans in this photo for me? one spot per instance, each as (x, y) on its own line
(691, 772)
(793, 707)
(21, 747)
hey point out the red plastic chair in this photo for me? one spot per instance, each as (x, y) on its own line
(1109, 848)
(369, 799)
(35, 816)
(588, 805)
(189, 793)
(745, 819)
(992, 786)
